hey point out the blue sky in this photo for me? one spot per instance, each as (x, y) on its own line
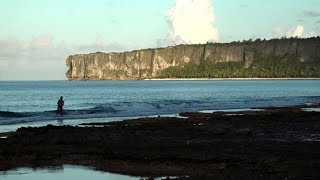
(37, 36)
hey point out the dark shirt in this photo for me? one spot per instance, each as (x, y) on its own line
(60, 103)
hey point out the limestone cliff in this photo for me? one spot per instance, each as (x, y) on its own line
(149, 63)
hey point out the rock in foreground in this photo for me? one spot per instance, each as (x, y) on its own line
(271, 144)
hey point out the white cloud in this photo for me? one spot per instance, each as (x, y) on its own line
(41, 41)
(42, 57)
(310, 34)
(99, 40)
(296, 32)
(277, 32)
(192, 21)
(100, 45)
(38, 58)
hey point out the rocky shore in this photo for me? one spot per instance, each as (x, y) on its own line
(276, 143)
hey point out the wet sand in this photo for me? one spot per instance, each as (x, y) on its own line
(272, 144)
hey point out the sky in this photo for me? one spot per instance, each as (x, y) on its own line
(36, 36)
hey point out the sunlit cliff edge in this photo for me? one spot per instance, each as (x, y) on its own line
(275, 58)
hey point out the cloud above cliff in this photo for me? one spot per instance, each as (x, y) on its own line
(101, 45)
(297, 31)
(37, 58)
(42, 57)
(192, 22)
(310, 13)
(39, 42)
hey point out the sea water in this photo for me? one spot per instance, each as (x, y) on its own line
(33, 103)
(66, 172)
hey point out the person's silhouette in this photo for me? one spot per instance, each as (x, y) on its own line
(60, 104)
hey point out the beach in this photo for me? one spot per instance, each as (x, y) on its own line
(224, 79)
(274, 143)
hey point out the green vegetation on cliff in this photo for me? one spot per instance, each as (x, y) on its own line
(268, 68)
(285, 66)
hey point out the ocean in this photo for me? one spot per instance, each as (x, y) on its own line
(33, 103)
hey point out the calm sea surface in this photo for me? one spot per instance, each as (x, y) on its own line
(33, 103)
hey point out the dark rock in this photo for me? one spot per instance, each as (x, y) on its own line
(270, 144)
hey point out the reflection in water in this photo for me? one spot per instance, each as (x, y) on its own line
(311, 109)
(231, 110)
(65, 172)
(60, 121)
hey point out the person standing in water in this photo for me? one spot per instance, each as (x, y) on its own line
(60, 106)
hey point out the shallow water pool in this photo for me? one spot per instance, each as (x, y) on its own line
(65, 172)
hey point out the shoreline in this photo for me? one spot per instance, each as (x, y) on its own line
(272, 144)
(222, 79)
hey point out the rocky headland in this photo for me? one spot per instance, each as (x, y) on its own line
(276, 143)
(273, 58)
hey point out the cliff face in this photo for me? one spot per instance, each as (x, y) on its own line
(148, 63)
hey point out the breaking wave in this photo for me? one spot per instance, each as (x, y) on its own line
(137, 109)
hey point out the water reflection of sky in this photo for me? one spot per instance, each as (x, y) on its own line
(66, 172)
(311, 109)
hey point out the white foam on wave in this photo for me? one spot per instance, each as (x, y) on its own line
(64, 120)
